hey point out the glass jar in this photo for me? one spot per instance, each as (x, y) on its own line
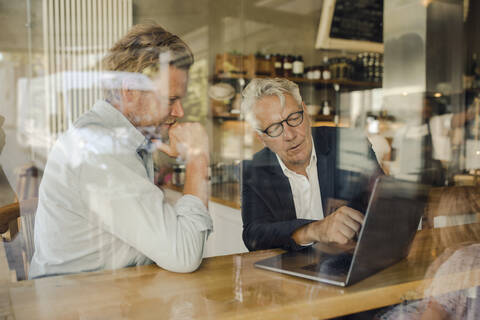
(308, 73)
(317, 72)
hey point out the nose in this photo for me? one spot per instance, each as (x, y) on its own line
(288, 132)
(177, 109)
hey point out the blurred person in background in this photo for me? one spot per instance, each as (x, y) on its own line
(437, 130)
(453, 293)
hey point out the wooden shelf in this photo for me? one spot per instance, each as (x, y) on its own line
(226, 116)
(342, 82)
(233, 116)
(321, 117)
(474, 90)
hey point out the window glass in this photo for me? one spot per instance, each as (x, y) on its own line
(167, 134)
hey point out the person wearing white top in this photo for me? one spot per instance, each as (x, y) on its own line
(98, 206)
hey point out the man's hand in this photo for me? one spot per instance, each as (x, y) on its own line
(340, 227)
(187, 140)
(190, 141)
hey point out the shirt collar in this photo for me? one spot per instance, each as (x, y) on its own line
(312, 162)
(114, 119)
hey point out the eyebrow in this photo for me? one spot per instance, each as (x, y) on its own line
(288, 115)
(174, 98)
(278, 122)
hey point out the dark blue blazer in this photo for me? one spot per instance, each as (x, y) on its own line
(268, 210)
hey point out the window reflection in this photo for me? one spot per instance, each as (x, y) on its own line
(74, 142)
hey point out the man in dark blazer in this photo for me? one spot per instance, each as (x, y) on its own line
(274, 181)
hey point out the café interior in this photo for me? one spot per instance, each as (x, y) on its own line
(397, 81)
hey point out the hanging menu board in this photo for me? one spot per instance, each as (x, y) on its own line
(358, 20)
(352, 25)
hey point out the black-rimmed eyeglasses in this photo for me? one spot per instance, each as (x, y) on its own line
(276, 129)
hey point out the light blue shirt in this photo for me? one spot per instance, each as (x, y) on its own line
(99, 208)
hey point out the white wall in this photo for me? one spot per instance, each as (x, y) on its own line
(227, 227)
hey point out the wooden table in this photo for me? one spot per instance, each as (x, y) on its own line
(222, 288)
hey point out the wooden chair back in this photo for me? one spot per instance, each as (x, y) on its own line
(17, 222)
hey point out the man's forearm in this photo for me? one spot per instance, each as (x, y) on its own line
(196, 177)
(308, 233)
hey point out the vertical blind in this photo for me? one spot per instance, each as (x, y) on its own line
(77, 34)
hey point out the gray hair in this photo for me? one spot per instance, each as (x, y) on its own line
(262, 87)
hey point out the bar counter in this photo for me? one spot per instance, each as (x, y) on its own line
(225, 287)
(227, 193)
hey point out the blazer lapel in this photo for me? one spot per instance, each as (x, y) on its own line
(280, 186)
(283, 191)
(325, 180)
(325, 166)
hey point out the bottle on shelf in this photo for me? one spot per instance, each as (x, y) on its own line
(258, 62)
(371, 67)
(335, 67)
(365, 62)
(325, 69)
(381, 70)
(326, 109)
(377, 74)
(287, 66)
(469, 77)
(475, 71)
(267, 65)
(262, 64)
(298, 67)
(278, 64)
(474, 64)
(358, 67)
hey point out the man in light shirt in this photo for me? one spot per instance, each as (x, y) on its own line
(98, 205)
(288, 186)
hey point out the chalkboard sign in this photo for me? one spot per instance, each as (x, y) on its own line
(355, 25)
(358, 20)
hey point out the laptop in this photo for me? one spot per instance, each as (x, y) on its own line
(393, 214)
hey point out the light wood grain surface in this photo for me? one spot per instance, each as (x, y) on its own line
(227, 287)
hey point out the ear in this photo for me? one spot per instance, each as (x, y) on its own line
(129, 96)
(304, 107)
(259, 138)
(306, 115)
(129, 92)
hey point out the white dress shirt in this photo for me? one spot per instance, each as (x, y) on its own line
(99, 208)
(306, 191)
